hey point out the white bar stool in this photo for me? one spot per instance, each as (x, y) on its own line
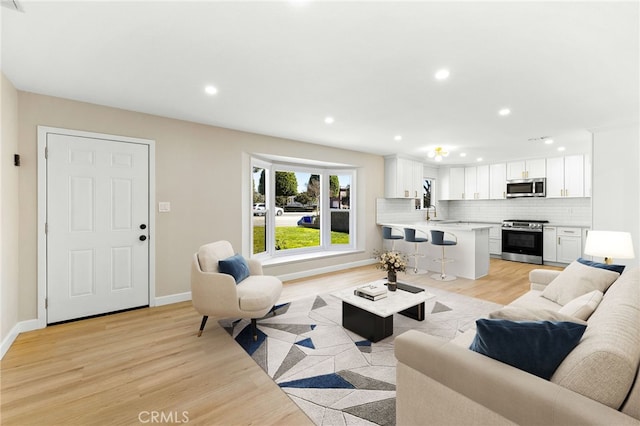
(387, 234)
(410, 236)
(437, 239)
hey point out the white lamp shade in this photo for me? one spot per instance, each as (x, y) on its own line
(609, 244)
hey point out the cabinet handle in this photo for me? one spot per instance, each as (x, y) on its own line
(504, 194)
(569, 232)
(566, 192)
(558, 240)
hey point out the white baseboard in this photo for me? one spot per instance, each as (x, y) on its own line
(326, 269)
(20, 327)
(173, 298)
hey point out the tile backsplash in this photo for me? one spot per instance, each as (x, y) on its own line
(559, 211)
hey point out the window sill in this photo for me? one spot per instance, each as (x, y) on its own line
(303, 257)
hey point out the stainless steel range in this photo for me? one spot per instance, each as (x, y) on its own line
(522, 240)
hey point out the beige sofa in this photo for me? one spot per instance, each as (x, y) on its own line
(598, 383)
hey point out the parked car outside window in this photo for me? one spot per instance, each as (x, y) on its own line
(259, 209)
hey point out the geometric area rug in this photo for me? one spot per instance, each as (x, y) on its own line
(334, 375)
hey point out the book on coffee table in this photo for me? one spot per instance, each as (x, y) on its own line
(371, 291)
(368, 296)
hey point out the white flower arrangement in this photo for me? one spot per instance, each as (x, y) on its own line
(391, 261)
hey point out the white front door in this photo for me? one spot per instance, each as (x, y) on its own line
(97, 226)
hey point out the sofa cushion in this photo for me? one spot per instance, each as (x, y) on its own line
(537, 347)
(582, 306)
(235, 266)
(578, 279)
(603, 366)
(513, 313)
(533, 300)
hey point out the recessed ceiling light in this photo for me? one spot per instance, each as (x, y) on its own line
(463, 154)
(442, 74)
(210, 90)
(561, 148)
(479, 159)
(329, 120)
(504, 111)
(548, 141)
(398, 138)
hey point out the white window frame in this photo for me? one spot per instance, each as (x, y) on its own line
(325, 246)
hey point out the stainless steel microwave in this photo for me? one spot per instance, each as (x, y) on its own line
(527, 188)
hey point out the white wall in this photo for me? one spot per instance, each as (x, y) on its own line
(616, 183)
(9, 214)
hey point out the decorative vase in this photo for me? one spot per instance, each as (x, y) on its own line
(391, 278)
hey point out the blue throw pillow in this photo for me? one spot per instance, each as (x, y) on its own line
(614, 268)
(235, 266)
(537, 347)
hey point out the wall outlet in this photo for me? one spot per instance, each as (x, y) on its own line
(164, 207)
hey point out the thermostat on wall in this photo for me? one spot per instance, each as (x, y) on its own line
(164, 207)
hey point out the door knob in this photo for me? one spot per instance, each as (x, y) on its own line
(143, 237)
(143, 226)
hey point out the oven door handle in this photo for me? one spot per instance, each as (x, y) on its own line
(521, 230)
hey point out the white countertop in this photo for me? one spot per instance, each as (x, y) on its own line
(441, 225)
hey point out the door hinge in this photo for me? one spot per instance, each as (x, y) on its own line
(46, 152)
(46, 228)
(46, 303)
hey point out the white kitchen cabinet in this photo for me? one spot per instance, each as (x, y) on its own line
(565, 176)
(526, 169)
(561, 244)
(498, 181)
(476, 183)
(456, 183)
(403, 178)
(495, 240)
(549, 244)
(569, 244)
(587, 176)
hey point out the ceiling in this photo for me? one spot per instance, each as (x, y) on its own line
(280, 68)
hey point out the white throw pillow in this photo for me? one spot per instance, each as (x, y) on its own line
(514, 313)
(578, 279)
(583, 306)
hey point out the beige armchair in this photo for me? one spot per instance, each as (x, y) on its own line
(216, 294)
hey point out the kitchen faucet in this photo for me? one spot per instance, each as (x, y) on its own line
(434, 212)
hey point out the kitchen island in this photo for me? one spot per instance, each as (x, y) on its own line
(470, 256)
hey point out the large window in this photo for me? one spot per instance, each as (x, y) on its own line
(299, 209)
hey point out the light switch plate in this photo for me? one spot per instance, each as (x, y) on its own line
(164, 207)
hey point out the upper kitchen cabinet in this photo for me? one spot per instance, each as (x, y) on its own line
(476, 183)
(588, 187)
(456, 183)
(565, 176)
(498, 181)
(451, 183)
(402, 178)
(526, 169)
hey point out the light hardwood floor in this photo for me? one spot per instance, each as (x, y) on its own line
(121, 368)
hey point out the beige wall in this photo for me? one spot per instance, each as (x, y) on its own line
(198, 169)
(8, 208)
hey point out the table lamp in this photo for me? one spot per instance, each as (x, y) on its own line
(609, 244)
